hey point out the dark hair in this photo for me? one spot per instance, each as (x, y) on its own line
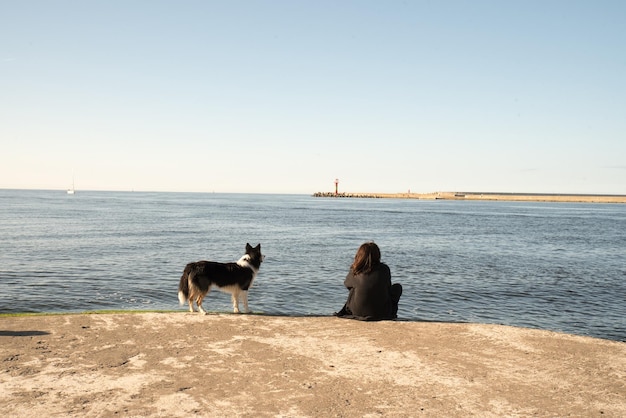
(367, 258)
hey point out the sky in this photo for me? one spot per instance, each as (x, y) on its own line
(287, 96)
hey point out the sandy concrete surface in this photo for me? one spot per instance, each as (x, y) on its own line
(182, 364)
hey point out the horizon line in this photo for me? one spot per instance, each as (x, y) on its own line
(332, 193)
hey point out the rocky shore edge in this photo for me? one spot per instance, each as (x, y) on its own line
(527, 197)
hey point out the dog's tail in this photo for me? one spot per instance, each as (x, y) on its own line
(183, 286)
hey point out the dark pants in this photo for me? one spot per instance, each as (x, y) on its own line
(394, 292)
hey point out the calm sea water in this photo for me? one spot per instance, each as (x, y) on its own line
(556, 266)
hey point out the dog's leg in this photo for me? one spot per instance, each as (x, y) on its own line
(199, 303)
(190, 300)
(235, 299)
(191, 291)
(245, 301)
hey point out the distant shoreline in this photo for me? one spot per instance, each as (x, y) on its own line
(525, 197)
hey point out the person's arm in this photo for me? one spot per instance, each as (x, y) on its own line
(349, 281)
(385, 274)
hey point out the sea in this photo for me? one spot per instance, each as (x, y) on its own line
(551, 266)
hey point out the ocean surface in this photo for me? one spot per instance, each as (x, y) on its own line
(554, 266)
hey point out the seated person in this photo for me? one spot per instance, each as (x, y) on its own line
(371, 295)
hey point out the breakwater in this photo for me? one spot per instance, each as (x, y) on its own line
(528, 197)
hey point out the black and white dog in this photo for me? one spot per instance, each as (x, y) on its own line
(234, 278)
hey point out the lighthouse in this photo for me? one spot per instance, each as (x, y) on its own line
(336, 187)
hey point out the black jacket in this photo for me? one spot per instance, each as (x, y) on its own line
(370, 295)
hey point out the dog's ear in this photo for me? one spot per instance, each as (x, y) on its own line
(258, 247)
(248, 247)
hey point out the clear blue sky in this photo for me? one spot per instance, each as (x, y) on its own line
(286, 96)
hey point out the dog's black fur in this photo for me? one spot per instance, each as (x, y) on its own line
(234, 278)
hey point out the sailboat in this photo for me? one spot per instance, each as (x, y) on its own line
(72, 190)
